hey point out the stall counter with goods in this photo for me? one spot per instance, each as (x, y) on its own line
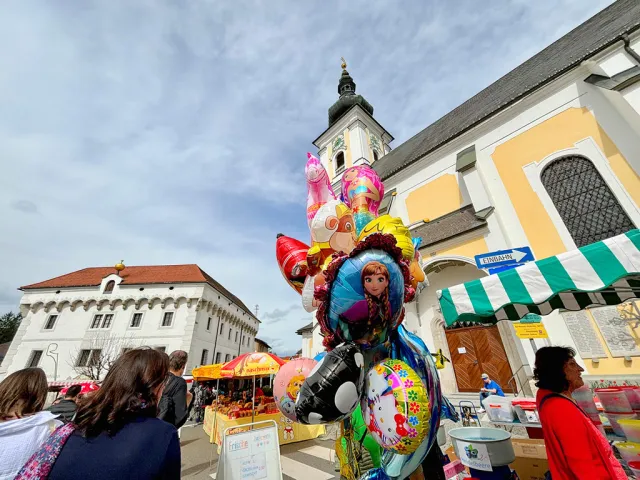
(288, 431)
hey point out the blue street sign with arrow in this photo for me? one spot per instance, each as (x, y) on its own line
(504, 257)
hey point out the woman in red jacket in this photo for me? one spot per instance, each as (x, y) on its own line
(576, 449)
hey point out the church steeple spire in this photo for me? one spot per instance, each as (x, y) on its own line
(346, 85)
(348, 97)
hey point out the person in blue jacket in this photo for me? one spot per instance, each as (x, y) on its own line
(115, 434)
(490, 388)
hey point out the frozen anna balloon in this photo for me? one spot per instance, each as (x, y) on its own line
(363, 297)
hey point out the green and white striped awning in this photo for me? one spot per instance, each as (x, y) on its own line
(603, 273)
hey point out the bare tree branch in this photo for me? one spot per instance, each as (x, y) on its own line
(96, 357)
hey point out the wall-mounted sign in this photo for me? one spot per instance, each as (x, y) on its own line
(530, 330)
(616, 332)
(504, 257)
(584, 335)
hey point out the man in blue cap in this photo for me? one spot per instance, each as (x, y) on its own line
(490, 388)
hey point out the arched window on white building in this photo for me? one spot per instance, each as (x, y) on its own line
(108, 288)
(586, 204)
(339, 162)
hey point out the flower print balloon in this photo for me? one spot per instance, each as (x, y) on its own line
(396, 407)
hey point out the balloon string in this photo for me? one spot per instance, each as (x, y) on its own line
(347, 458)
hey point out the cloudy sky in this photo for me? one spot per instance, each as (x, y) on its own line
(166, 132)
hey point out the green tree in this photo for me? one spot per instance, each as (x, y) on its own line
(9, 323)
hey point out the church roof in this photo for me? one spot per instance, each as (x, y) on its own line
(139, 275)
(306, 329)
(596, 34)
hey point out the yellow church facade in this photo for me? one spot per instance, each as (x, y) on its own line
(547, 157)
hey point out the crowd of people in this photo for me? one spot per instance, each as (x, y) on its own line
(128, 427)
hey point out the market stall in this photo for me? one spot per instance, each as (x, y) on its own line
(226, 413)
(603, 273)
(600, 274)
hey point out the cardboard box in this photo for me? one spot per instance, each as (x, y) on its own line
(531, 458)
(451, 454)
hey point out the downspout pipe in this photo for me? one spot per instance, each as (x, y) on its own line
(215, 342)
(627, 47)
(240, 339)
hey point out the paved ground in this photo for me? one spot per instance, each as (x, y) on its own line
(312, 460)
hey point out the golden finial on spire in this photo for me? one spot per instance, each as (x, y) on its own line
(119, 266)
(344, 63)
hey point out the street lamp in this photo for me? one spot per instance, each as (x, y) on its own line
(53, 353)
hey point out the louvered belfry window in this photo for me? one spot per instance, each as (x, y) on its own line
(588, 207)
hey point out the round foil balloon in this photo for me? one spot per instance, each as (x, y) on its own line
(287, 383)
(396, 407)
(362, 191)
(332, 390)
(366, 297)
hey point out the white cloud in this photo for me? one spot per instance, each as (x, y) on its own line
(176, 132)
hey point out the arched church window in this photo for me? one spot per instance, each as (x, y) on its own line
(586, 204)
(109, 286)
(339, 162)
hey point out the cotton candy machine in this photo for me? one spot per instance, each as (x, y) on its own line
(497, 442)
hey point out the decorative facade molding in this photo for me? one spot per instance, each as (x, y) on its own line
(113, 302)
(338, 143)
(375, 144)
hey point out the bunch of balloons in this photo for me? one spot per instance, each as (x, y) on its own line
(358, 272)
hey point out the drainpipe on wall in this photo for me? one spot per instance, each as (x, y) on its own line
(240, 342)
(215, 342)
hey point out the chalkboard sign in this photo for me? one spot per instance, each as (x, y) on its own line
(252, 454)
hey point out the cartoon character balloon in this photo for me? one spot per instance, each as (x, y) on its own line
(319, 189)
(332, 230)
(395, 227)
(333, 389)
(396, 407)
(287, 383)
(291, 255)
(362, 191)
(362, 301)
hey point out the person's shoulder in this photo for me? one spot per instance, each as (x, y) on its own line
(154, 425)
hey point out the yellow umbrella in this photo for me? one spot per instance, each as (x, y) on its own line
(208, 372)
(252, 365)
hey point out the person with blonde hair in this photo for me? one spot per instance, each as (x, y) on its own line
(24, 426)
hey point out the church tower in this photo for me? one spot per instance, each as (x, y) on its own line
(353, 137)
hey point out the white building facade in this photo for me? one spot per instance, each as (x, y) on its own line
(71, 321)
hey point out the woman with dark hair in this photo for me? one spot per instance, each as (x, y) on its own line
(116, 433)
(576, 449)
(23, 424)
